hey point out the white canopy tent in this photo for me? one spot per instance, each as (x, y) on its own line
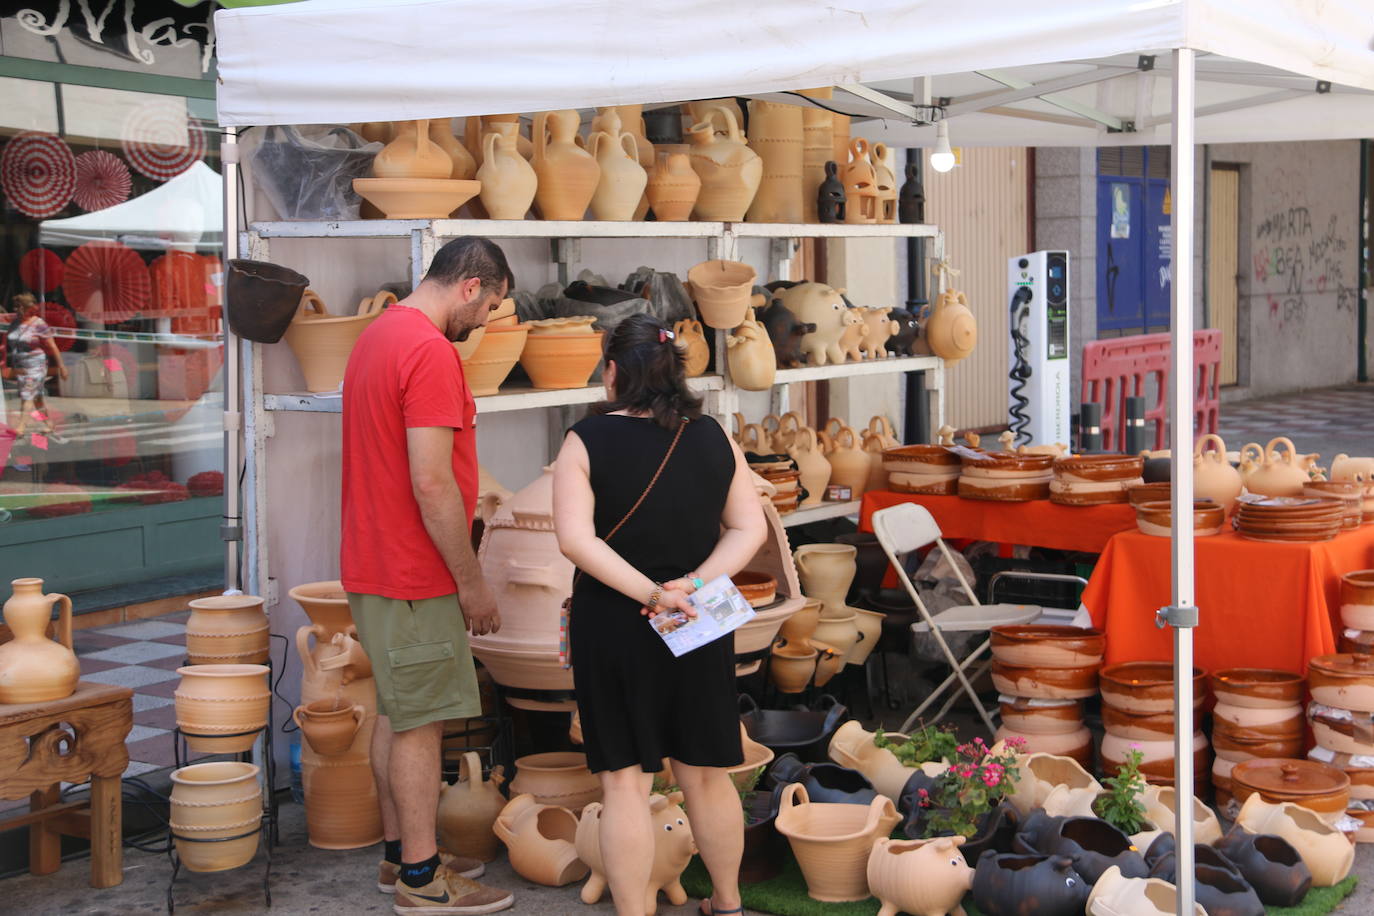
(187, 210)
(1052, 73)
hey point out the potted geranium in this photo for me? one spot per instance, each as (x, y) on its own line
(968, 799)
(1121, 805)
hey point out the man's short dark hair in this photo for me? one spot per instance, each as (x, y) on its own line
(469, 256)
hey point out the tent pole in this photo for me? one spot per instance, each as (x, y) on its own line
(231, 528)
(1182, 613)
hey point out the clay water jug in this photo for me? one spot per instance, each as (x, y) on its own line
(1213, 476)
(632, 122)
(775, 134)
(749, 355)
(730, 171)
(568, 174)
(508, 181)
(860, 182)
(951, 329)
(877, 474)
(815, 470)
(700, 110)
(468, 808)
(227, 629)
(883, 157)
(464, 166)
(1273, 473)
(622, 181)
(817, 149)
(412, 154)
(673, 187)
(34, 668)
(696, 352)
(880, 426)
(849, 463)
(508, 124)
(827, 571)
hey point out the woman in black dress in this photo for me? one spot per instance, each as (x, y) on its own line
(700, 520)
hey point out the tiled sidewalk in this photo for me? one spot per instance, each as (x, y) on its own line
(1327, 421)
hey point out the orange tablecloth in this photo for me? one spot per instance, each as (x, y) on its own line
(1261, 605)
(1038, 523)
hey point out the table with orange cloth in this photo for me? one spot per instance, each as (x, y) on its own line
(1037, 523)
(1261, 605)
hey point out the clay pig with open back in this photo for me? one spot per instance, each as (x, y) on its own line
(920, 877)
(823, 306)
(786, 333)
(673, 849)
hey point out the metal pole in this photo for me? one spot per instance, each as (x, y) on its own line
(1182, 613)
(231, 528)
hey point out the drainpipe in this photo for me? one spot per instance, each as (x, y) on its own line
(1362, 265)
(917, 420)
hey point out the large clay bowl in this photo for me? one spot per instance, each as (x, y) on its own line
(1157, 517)
(495, 356)
(1044, 683)
(759, 589)
(1149, 492)
(416, 198)
(919, 459)
(1145, 687)
(1256, 688)
(1048, 646)
(996, 463)
(1315, 786)
(1357, 599)
(1344, 681)
(561, 360)
(1027, 716)
(1099, 467)
(1152, 726)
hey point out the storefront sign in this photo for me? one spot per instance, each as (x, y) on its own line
(132, 31)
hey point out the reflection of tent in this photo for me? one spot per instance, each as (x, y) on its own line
(186, 210)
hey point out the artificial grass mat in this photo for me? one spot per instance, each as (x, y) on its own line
(785, 895)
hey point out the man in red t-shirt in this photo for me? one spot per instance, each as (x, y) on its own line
(409, 491)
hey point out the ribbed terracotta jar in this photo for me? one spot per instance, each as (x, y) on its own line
(341, 807)
(775, 133)
(228, 700)
(557, 778)
(216, 801)
(226, 630)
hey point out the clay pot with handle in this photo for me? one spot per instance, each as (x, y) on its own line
(540, 840)
(730, 171)
(951, 330)
(623, 179)
(877, 474)
(323, 342)
(469, 808)
(1213, 476)
(33, 668)
(849, 463)
(412, 154)
(568, 175)
(328, 727)
(508, 181)
(815, 470)
(464, 166)
(1269, 472)
(832, 841)
(827, 571)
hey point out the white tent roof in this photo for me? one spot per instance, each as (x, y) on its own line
(186, 210)
(331, 61)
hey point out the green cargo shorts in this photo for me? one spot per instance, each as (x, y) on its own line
(420, 658)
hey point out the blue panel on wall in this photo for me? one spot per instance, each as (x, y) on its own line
(1120, 235)
(1158, 254)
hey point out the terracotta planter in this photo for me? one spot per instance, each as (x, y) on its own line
(870, 627)
(1161, 806)
(1027, 716)
(561, 360)
(722, 291)
(1114, 894)
(323, 342)
(829, 661)
(1145, 687)
(468, 808)
(227, 629)
(567, 174)
(775, 134)
(826, 572)
(802, 625)
(1316, 786)
(1046, 683)
(1256, 688)
(569, 324)
(1076, 744)
(792, 666)
(416, 198)
(557, 778)
(838, 633)
(540, 840)
(1041, 773)
(1325, 851)
(231, 700)
(33, 668)
(341, 808)
(832, 842)
(216, 801)
(755, 755)
(921, 877)
(494, 358)
(852, 746)
(1357, 599)
(673, 187)
(329, 728)
(1048, 646)
(1156, 518)
(730, 172)
(1272, 867)
(1344, 681)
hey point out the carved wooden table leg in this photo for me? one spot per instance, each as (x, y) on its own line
(107, 841)
(45, 843)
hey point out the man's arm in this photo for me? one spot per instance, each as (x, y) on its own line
(441, 507)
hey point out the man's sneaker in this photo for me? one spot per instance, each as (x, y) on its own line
(389, 872)
(449, 894)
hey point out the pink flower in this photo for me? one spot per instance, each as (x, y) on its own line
(923, 793)
(978, 741)
(1016, 742)
(991, 778)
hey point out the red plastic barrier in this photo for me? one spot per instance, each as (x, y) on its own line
(1123, 367)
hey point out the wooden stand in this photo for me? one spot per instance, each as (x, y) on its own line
(70, 740)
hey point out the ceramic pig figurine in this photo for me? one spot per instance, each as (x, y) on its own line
(673, 849)
(1360, 470)
(920, 877)
(908, 329)
(786, 333)
(823, 306)
(880, 328)
(854, 335)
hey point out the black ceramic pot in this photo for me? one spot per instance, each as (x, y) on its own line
(604, 296)
(1220, 890)
(764, 848)
(871, 562)
(909, 804)
(261, 298)
(824, 782)
(1021, 885)
(1270, 864)
(804, 732)
(1161, 858)
(996, 833)
(1092, 843)
(663, 125)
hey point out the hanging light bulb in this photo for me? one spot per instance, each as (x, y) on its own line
(942, 157)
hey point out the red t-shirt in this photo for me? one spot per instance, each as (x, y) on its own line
(403, 374)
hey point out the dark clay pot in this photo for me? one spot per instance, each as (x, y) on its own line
(1270, 864)
(261, 298)
(1161, 859)
(663, 125)
(1220, 889)
(603, 296)
(909, 804)
(824, 782)
(1028, 885)
(871, 564)
(804, 732)
(1093, 844)
(996, 833)
(764, 847)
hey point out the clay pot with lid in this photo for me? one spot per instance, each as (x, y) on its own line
(1357, 599)
(1048, 646)
(1361, 777)
(1145, 687)
(328, 726)
(556, 778)
(227, 629)
(34, 668)
(228, 700)
(1316, 786)
(216, 801)
(1344, 681)
(468, 808)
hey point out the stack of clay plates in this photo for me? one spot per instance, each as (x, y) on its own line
(1288, 519)
(929, 469)
(1348, 492)
(1004, 476)
(781, 472)
(1094, 480)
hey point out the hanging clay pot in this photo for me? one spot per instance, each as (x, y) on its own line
(920, 877)
(227, 629)
(673, 187)
(823, 306)
(674, 847)
(508, 181)
(210, 803)
(412, 154)
(696, 352)
(468, 808)
(839, 634)
(951, 329)
(33, 668)
(730, 171)
(464, 166)
(556, 778)
(775, 134)
(860, 185)
(826, 571)
(849, 463)
(540, 841)
(622, 181)
(568, 174)
(1213, 476)
(230, 700)
(832, 841)
(870, 627)
(817, 149)
(722, 291)
(329, 727)
(749, 355)
(322, 342)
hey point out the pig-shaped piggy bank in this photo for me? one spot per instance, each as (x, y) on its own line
(920, 877)
(786, 332)
(673, 849)
(823, 306)
(908, 329)
(853, 336)
(1029, 885)
(880, 328)
(1360, 470)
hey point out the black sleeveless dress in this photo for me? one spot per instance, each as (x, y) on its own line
(639, 704)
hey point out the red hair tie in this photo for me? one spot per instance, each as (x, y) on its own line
(664, 335)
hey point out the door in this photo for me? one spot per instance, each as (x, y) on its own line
(1223, 263)
(1134, 241)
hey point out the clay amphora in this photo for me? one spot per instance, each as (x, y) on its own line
(815, 474)
(951, 329)
(214, 801)
(33, 668)
(920, 877)
(775, 133)
(823, 306)
(464, 166)
(849, 464)
(228, 700)
(860, 181)
(540, 841)
(508, 181)
(911, 199)
(329, 728)
(673, 849)
(880, 328)
(673, 187)
(817, 149)
(227, 629)
(832, 841)
(749, 355)
(883, 159)
(412, 154)
(568, 174)
(1273, 473)
(696, 353)
(468, 808)
(830, 200)
(730, 171)
(632, 123)
(1213, 476)
(622, 182)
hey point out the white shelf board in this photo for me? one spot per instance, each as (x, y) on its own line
(833, 230)
(849, 370)
(584, 229)
(821, 513)
(535, 228)
(337, 229)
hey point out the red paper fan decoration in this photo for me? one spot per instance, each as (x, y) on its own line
(41, 270)
(38, 173)
(107, 281)
(102, 180)
(58, 315)
(161, 142)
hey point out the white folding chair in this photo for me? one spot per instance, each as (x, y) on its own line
(906, 527)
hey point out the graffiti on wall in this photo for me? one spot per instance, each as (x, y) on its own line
(1296, 255)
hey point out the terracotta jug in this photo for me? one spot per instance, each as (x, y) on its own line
(880, 426)
(509, 124)
(827, 571)
(1213, 476)
(350, 660)
(33, 668)
(696, 352)
(540, 841)
(849, 463)
(222, 700)
(468, 808)
(464, 166)
(730, 171)
(508, 181)
(815, 470)
(1270, 472)
(951, 329)
(219, 801)
(227, 629)
(568, 174)
(674, 847)
(877, 474)
(880, 329)
(749, 354)
(789, 426)
(622, 182)
(775, 133)
(329, 727)
(886, 182)
(921, 877)
(412, 154)
(631, 121)
(817, 149)
(860, 184)
(673, 187)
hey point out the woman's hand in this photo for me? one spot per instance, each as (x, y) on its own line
(62, 371)
(683, 585)
(671, 599)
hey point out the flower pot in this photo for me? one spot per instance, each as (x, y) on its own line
(34, 668)
(837, 633)
(227, 629)
(1325, 851)
(1114, 894)
(219, 801)
(468, 808)
(853, 747)
(557, 778)
(1042, 682)
(1357, 599)
(804, 732)
(1270, 864)
(722, 291)
(1048, 646)
(341, 807)
(832, 842)
(540, 841)
(921, 877)
(1316, 786)
(561, 360)
(228, 700)
(328, 727)
(792, 666)
(494, 358)
(1256, 688)
(1161, 806)
(261, 298)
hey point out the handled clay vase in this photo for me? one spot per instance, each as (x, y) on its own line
(730, 171)
(412, 154)
(328, 728)
(568, 174)
(468, 809)
(33, 668)
(508, 181)
(622, 178)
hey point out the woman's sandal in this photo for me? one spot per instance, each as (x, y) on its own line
(707, 908)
